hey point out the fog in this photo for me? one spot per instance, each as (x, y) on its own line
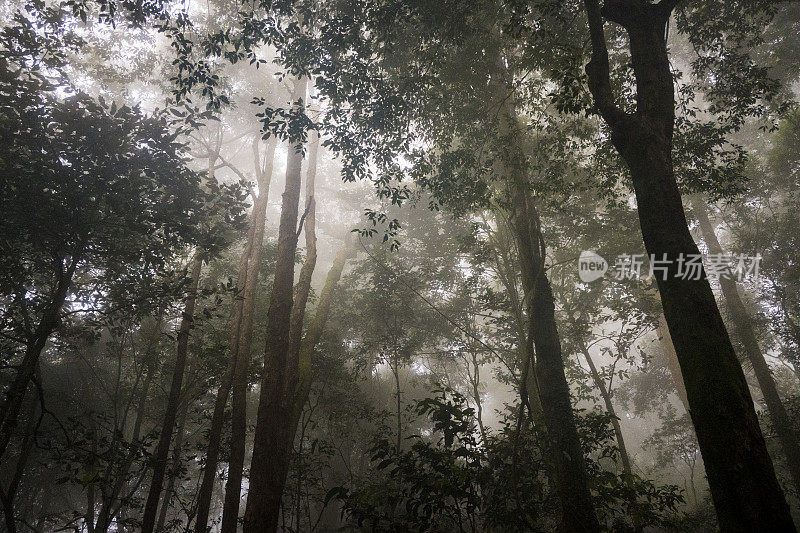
(399, 266)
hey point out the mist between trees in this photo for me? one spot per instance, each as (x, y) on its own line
(399, 266)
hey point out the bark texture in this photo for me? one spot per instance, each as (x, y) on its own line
(176, 463)
(577, 511)
(671, 358)
(744, 489)
(269, 457)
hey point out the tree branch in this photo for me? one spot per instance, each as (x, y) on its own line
(309, 202)
(597, 69)
(240, 174)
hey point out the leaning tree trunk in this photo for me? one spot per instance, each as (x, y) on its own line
(605, 394)
(743, 325)
(625, 458)
(244, 327)
(51, 317)
(671, 360)
(161, 456)
(507, 269)
(668, 352)
(296, 340)
(206, 491)
(572, 486)
(571, 480)
(306, 351)
(269, 457)
(8, 492)
(744, 488)
(311, 339)
(304, 380)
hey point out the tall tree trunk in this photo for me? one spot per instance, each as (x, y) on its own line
(270, 457)
(571, 480)
(230, 514)
(241, 379)
(307, 270)
(306, 351)
(173, 402)
(743, 326)
(395, 366)
(206, 491)
(308, 345)
(508, 269)
(572, 486)
(90, 492)
(474, 378)
(176, 463)
(745, 491)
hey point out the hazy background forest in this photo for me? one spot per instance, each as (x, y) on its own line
(384, 265)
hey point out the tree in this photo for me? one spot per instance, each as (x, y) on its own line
(270, 454)
(449, 171)
(720, 404)
(242, 328)
(121, 212)
(542, 336)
